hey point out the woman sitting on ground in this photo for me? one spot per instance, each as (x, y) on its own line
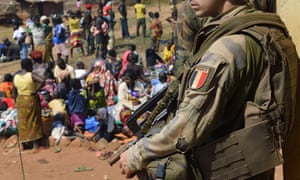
(131, 94)
(76, 104)
(105, 79)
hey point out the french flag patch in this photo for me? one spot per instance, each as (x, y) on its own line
(199, 77)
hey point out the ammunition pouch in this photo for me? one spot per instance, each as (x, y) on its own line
(242, 154)
(172, 167)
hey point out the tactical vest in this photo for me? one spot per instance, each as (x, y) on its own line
(272, 109)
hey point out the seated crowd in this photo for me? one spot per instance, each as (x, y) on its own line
(94, 102)
(50, 97)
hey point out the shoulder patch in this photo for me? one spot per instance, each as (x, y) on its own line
(201, 76)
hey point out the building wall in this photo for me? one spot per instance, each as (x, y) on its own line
(289, 12)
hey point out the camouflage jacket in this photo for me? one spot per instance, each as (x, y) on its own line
(214, 99)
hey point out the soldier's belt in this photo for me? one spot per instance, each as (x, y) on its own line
(241, 154)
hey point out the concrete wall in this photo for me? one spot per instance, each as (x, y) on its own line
(289, 10)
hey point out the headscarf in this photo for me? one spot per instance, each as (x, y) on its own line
(105, 79)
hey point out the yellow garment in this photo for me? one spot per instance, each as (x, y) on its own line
(25, 84)
(167, 54)
(74, 24)
(140, 10)
(59, 106)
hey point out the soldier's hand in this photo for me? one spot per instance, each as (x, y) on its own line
(124, 166)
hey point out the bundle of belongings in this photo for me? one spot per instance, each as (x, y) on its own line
(8, 123)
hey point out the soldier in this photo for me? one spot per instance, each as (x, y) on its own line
(236, 85)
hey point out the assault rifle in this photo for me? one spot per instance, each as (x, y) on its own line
(147, 106)
(134, 127)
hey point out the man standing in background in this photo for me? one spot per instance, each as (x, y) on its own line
(140, 11)
(123, 18)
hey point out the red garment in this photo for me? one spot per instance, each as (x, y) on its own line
(10, 102)
(106, 9)
(124, 114)
(76, 39)
(124, 62)
(88, 6)
(156, 28)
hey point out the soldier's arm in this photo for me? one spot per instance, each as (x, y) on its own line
(203, 105)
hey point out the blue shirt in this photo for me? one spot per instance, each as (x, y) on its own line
(59, 34)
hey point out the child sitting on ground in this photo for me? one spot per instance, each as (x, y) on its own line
(105, 126)
(58, 106)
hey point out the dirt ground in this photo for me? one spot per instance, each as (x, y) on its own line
(46, 164)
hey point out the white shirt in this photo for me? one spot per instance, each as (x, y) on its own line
(123, 97)
(18, 33)
(79, 73)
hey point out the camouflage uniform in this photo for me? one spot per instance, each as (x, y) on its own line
(214, 99)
